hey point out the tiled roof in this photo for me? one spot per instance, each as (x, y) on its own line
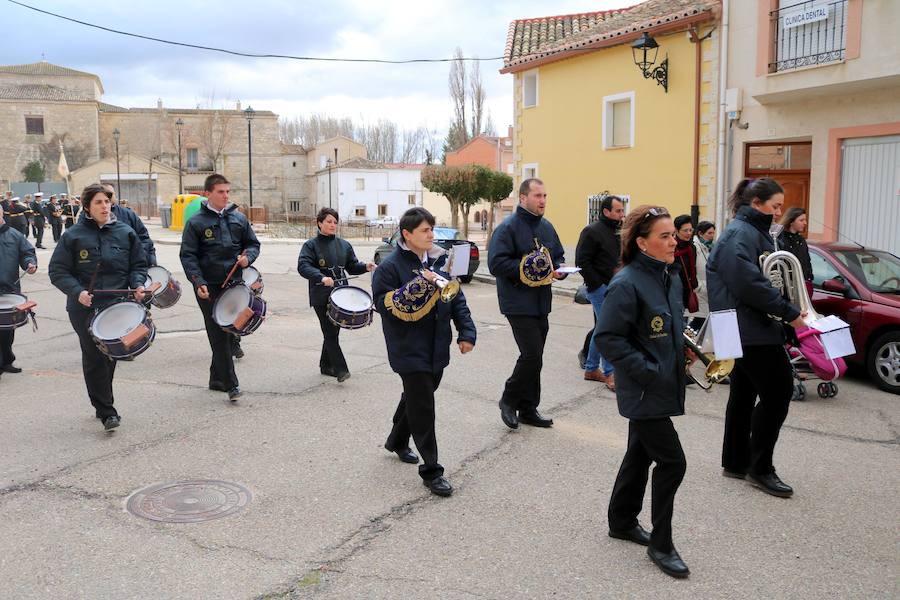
(413, 166)
(43, 92)
(45, 68)
(104, 107)
(542, 39)
(358, 162)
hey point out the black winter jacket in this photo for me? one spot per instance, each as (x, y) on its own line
(512, 240)
(15, 252)
(326, 256)
(735, 280)
(796, 245)
(640, 332)
(598, 252)
(210, 244)
(37, 213)
(115, 247)
(131, 218)
(421, 346)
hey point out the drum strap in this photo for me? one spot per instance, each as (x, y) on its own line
(331, 263)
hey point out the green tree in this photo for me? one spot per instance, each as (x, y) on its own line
(34, 172)
(494, 187)
(458, 184)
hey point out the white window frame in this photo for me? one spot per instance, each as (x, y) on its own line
(360, 184)
(606, 133)
(534, 167)
(537, 88)
(195, 165)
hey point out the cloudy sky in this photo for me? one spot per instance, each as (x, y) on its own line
(136, 72)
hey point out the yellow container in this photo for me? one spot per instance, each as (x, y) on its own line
(178, 206)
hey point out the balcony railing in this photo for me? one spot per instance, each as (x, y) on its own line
(808, 33)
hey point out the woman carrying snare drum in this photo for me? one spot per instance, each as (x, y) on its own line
(323, 261)
(97, 253)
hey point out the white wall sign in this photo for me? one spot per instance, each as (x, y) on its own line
(803, 16)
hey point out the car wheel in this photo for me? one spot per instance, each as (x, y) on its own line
(465, 279)
(883, 362)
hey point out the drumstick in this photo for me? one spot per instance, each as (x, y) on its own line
(234, 268)
(342, 279)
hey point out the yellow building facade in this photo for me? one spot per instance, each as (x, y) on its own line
(588, 121)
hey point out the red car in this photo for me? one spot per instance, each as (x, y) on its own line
(862, 287)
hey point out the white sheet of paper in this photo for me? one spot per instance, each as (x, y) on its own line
(568, 269)
(838, 343)
(460, 258)
(829, 323)
(726, 336)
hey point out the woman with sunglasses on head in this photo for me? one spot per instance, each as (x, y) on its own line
(736, 282)
(98, 252)
(639, 330)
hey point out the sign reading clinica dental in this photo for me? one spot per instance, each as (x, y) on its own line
(804, 15)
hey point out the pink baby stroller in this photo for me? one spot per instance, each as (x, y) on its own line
(810, 358)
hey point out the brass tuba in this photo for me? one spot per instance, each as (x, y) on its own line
(714, 370)
(785, 272)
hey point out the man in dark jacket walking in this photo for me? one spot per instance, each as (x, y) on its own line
(417, 332)
(523, 256)
(213, 239)
(598, 254)
(37, 220)
(15, 252)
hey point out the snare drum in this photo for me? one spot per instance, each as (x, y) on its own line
(238, 310)
(253, 279)
(350, 307)
(169, 289)
(14, 311)
(123, 330)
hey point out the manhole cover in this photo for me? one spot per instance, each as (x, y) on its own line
(189, 501)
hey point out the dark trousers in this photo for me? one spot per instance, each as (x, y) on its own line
(586, 347)
(56, 227)
(751, 428)
(331, 361)
(415, 416)
(7, 337)
(523, 388)
(97, 367)
(38, 226)
(649, 441)
(221, 369)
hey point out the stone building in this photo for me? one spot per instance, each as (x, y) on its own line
(42, 104)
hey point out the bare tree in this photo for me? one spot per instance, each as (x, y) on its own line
(413, 144)
(316, 128)
(380, 140)
(77, 153)
(458, 91)
(477, 95)
(489, 129)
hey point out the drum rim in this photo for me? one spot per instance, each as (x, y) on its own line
(215, 312)
(13, 306)
(97, 321)
(354, 289)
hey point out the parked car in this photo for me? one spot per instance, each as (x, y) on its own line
(445, 237)
(384, 222)
(862, 287)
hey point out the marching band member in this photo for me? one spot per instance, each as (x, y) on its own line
(213, 239)
(524, 255)
(417, 333)
(131, 218)
(16, 215)
(37, 220)
(54, 215)
(70, 211)
(99, 252)
(15, 252)
(323, 261)
(640, 331)
(735, 280)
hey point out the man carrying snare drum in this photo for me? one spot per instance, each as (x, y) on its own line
(216, 237)
(323, 261)
(15, 252)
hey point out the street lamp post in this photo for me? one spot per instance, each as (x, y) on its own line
(116, 135)
(328, 163)
(179, 125)
(249, 114)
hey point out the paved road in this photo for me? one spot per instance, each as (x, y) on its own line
(335, 516)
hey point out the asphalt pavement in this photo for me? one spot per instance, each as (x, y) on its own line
(331, 514)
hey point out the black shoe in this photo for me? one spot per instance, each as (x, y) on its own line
(111, 422)
(11, 369)
(582, 359)
(535, 419)
(770, 483)
(406, 455)
(636, 534)
(235, 393)
(237, 352)
(669, 563)
(341, 377)
(217, 387)
(508, 414)
(733, 474)
(439, 486)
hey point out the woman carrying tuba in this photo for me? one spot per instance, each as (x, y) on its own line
(416, 325)
(736, 280)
